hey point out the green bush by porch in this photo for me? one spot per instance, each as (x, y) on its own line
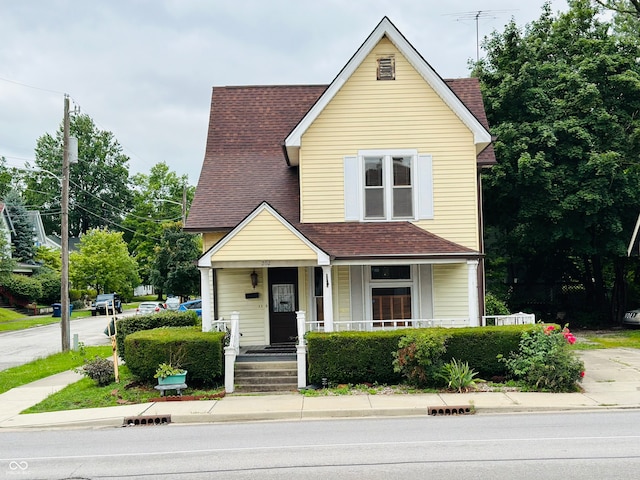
(129, 325)
(201, 353)
(367, 357)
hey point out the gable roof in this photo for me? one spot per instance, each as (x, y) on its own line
(244, 163)
(385, 28)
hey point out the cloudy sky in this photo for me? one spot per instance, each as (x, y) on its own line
(144, 69)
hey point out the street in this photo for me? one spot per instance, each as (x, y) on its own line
(603, 445)
(22, 346)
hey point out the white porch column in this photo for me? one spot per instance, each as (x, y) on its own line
(327, 298)
(472, 266)
(230, 353)
(206, 289)
(301, 349)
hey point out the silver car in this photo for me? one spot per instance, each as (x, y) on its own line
(146, 308)
(632, 318)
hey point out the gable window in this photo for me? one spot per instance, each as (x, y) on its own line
(388, 185)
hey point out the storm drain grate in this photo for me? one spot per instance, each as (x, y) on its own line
(147, 420)
(453, 410)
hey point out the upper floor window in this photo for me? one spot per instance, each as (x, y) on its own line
(388, 192)
(388, 185)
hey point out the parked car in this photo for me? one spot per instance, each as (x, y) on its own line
(150, 307)
(195, 305)
(105, 303)
(172, 303)
(632, 318)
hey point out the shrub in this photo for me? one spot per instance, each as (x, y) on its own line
(544, 362)
(419, 355)
(353, 357)
(27, 288)
(50, 284)
(200, 353)
(129, 325)
(100, 370)
(458, 375)
(494, 306)
(480, 347)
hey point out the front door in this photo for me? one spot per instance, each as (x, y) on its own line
(283, 303)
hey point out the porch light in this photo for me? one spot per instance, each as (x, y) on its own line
(254, 279)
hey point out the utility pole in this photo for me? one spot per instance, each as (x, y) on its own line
(184, 204)
(64, 232)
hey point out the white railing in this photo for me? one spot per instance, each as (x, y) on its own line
(231, 350)
(373, 325)
(512, 319)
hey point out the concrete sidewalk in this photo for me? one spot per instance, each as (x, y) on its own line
(612, 381)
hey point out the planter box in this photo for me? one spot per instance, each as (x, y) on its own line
(173, 379)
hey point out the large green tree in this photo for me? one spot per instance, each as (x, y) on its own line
(563, 98)
(22, 236)
(99, 192)
(174, 268)
(158, 197)
(103, 263)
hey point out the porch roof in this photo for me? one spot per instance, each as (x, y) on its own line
(343, 241)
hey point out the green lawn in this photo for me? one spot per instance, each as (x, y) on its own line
(44, 367)
(609, 339)
(12, 320)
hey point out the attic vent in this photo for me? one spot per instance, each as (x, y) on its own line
(386, 68)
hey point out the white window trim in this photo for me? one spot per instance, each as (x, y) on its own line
(421, 185)
(370, 284)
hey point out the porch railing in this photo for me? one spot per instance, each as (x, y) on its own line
(372, 325)
(512, 319)
(231, 350)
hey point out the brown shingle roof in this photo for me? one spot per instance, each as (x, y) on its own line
(244, 162)
(387, 239)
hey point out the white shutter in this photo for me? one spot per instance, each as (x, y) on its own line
(424, 187)
(351, 189)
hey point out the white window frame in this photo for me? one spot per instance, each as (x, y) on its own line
(411, 282)
(421, 185)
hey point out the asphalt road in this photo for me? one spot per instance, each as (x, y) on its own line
(563, 446)
(23, 346)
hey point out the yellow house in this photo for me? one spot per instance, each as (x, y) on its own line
(349, 206)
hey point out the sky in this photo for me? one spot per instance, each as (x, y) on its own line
(144, 69)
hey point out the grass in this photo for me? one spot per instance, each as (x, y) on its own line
(85, 394)
(44, 367)
(11, 320)
(609, 339)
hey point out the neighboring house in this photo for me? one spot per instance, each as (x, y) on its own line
(358, 202)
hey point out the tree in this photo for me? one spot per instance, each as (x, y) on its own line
(157, 198)
(49, 258)
(9, 178)
(563, 99)
(625, 7)
(99, 190)
(102, 262)
(22, 235)
(7, 263)
(174, 267)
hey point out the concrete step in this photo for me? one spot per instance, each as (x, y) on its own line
(262, 377)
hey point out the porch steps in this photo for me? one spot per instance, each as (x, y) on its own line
(266, 376)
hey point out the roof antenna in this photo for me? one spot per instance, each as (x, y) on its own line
(476, 15)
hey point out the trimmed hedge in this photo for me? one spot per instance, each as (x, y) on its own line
(480, 347)
(353, 357)
(200, 353)
(367, 357)
(129, 325)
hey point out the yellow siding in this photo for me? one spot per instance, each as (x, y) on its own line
(210, 239)
(342, 293)
(233, 283)
(264, 238)
(303, 290)
(371, 114)
(450, 284)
